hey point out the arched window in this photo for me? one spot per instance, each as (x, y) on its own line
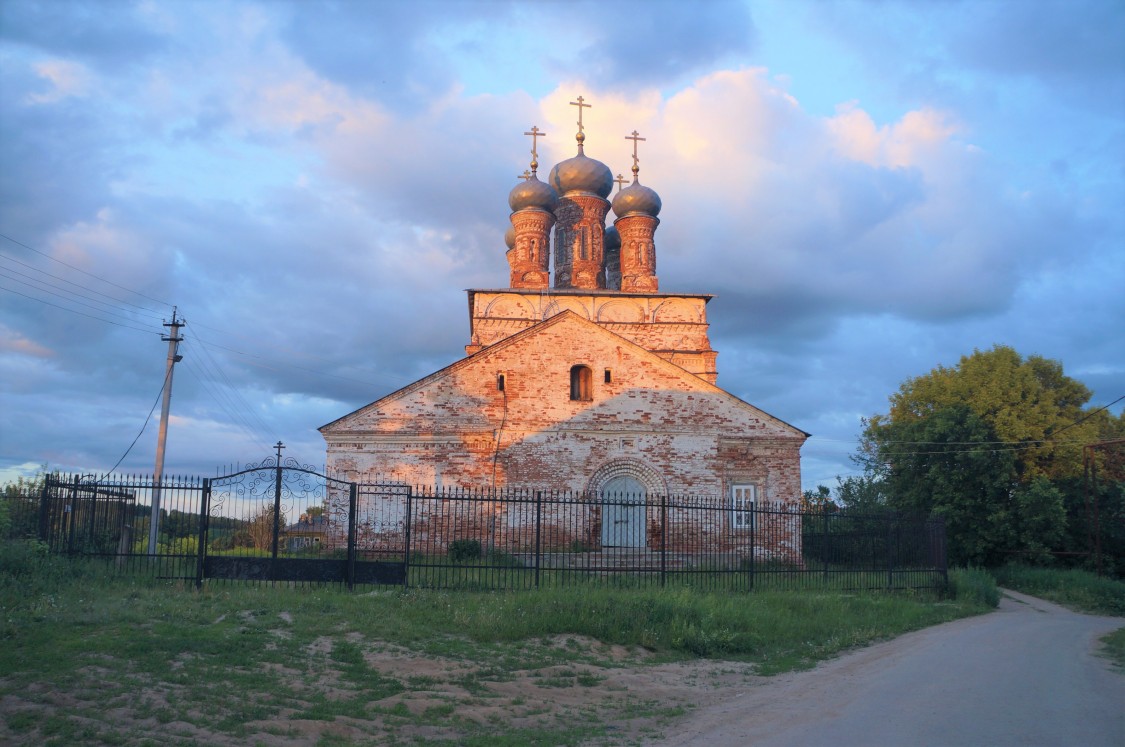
(580, 383)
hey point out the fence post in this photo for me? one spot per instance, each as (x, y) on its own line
(44, 510)
(824, 542)
(204, 514)
(538, 532)
(663, 539)
(276, 518)
(71, 515)
(753, 539)
(890, 552)
(406, 532)
(352, 534)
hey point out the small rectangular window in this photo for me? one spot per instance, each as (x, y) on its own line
(608, 376)
(500, 382)
(742, 501)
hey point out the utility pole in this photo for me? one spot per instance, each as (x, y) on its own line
(173, 339)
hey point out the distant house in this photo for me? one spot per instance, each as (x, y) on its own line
(308, 533)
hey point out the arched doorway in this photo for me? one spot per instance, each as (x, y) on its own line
(623, 512)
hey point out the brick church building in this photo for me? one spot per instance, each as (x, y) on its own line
(581, 375)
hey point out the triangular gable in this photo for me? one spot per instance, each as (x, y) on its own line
(588, 330)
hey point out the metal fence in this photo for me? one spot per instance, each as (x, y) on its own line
(281, 522)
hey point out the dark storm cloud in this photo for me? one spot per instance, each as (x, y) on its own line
(658, 42)
(383, 50)
(1074, 46)
(106, 33)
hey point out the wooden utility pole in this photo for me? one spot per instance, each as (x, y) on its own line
(173, 339)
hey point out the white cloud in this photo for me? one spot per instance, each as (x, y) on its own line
(66, 79)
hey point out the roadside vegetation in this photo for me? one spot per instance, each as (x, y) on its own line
(89, 657)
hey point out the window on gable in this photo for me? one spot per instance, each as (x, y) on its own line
(580, 383)
(500, 382)
(608, 376)
(742, 501)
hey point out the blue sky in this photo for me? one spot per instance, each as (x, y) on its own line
(870, 189)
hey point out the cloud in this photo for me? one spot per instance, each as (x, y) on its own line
(314, 184)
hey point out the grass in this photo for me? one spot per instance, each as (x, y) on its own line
(89, 657)
(1077, 589)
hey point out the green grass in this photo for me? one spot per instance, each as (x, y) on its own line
(1077, 589)
(1114, 647)
(89, 657)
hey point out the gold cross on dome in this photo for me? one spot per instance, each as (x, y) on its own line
(635, 137)
(580, 106)
(620, 182)
(525, 175)
(535, 135)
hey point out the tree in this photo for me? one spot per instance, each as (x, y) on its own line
(1029, 404)
(933, 467)
(987, 445)
(261, 528)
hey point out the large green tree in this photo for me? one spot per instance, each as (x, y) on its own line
(990, 445)
(1029, 404)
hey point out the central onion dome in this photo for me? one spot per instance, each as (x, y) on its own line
(532, 193)
(636, 199)
(582, 174)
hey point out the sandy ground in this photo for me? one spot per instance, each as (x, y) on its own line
(1024, 675)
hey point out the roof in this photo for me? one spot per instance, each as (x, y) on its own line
(589, 329)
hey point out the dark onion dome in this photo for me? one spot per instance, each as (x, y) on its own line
(612, 239)
(532, 193)
(636, 199)
(582, 174)
(510, 237)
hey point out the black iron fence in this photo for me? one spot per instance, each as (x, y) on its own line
(284, 522)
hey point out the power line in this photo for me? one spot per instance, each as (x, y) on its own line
(111, 310)
(79, 313)
(150, 412)
(69, 282)
(84, 272)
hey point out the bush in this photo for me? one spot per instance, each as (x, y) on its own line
(465, 549)
(973, 585)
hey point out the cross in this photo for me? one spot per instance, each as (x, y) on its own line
(279, 447)
(635, 137)
(620, 182)
(535, 134)
(580, 106)
(525, 175)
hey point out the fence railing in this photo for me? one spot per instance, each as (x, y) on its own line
(279, 523)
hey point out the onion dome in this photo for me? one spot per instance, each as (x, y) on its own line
(612, 240)
(532, 193)
(636, 199)
(510, 237)
(582, 174)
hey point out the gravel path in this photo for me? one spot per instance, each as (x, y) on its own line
(1024, 675)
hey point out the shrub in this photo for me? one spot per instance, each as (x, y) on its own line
(973, 585)
(465, 549)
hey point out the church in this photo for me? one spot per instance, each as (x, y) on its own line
(580, 376)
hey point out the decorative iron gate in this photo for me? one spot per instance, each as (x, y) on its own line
(282, 521)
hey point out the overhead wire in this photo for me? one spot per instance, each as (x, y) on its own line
(79, 313)
(111, 310)
(70, 282)
(145, 425)
(84, 272)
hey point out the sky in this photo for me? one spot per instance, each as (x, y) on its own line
(869, 189)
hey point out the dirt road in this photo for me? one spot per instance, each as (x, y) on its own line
(1024, 675)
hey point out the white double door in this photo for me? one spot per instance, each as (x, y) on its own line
(623, 513)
